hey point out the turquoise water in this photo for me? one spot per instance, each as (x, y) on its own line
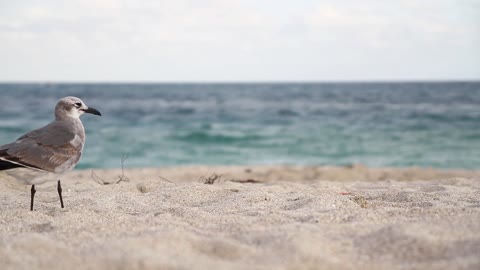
(376, 124)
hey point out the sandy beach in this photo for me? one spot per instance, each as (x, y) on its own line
(245, 217)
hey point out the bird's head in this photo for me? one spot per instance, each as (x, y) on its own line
(72, 107)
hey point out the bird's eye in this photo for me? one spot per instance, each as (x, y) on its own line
(78, 104)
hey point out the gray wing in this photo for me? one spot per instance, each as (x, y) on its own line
(53, 148)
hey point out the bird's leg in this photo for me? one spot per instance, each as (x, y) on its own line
(32, 192)
(59, 189)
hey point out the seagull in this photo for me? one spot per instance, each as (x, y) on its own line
(53, 149)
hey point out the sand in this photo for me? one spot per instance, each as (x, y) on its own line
(260, 217)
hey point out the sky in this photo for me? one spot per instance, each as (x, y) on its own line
(239, 40)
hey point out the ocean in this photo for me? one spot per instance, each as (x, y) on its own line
(431, 124)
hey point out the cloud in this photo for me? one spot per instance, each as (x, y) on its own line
(391, 24)
(237, 40)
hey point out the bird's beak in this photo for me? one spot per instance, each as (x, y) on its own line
(92, 111)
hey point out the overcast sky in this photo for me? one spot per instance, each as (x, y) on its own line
(239, 40)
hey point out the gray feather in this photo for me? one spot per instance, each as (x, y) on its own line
(56, 147)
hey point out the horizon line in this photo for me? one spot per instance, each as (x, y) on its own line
(240, 82)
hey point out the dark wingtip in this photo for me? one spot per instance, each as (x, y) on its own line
(5, 165)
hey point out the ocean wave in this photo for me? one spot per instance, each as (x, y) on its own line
(373, 124)
(201, 137)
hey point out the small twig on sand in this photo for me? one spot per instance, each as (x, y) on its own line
(211, 179)
(243, 181)
(98, 179)
(165, 179)
(121, 178)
